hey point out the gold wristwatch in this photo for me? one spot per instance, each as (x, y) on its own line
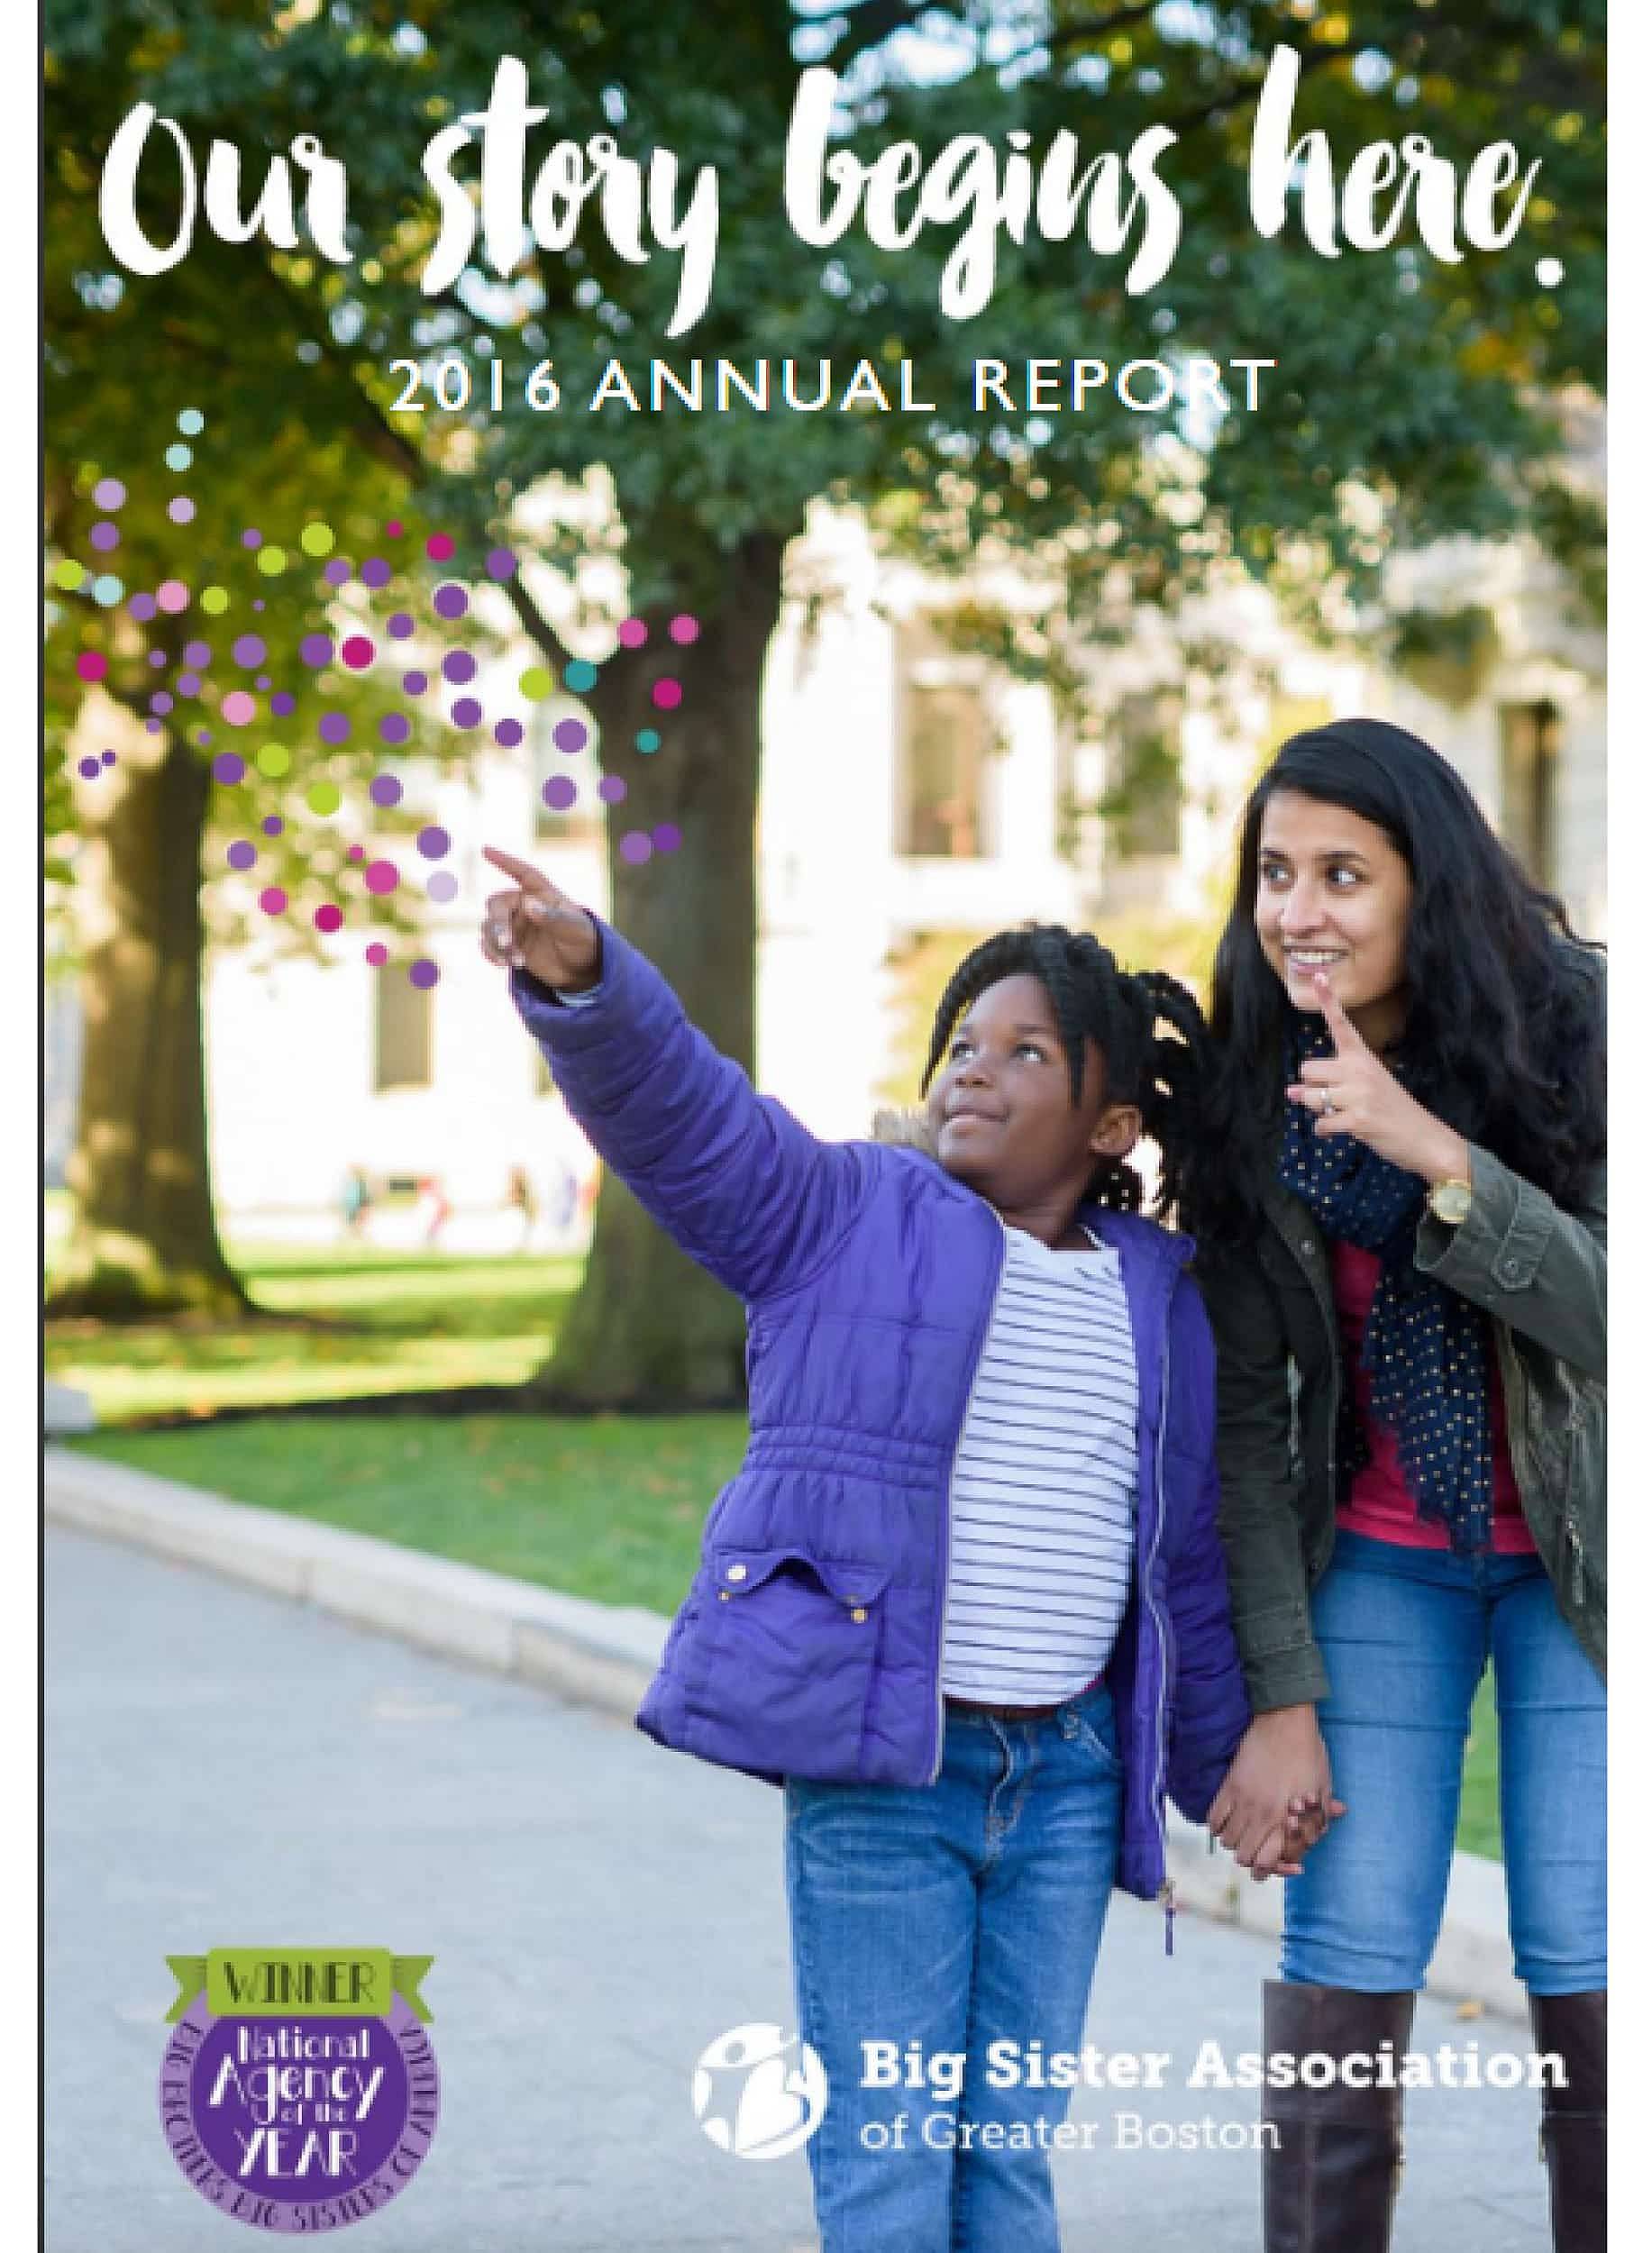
(1449, 1202)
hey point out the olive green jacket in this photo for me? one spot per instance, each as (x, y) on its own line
(1540, 1273)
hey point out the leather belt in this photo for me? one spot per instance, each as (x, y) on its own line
(1007, 1712)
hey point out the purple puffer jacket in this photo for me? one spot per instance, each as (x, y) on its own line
(810, 1641)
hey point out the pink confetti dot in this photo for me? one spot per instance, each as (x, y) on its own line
(357, 852)
(684, 628)
(181, 510)
(273, 899)
(393, 529)
(667, 694)
(378, 955)
(633, 634)
(327, 918)
(109, 493)
(635, 847)
(439, 547)
(357, 652)
(238, 708)
(91, 664)
(172, 596)
(381, 876)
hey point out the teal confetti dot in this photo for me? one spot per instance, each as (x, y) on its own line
(579, 675)
(648, 739)
(191, 422)
(179, 457)
(107, 590)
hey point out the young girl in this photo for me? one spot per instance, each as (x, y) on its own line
(964, 1597)
(1401, 1217)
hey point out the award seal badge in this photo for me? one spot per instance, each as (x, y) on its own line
(298, 2090)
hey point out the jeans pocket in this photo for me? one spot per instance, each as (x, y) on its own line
(1098, 1731)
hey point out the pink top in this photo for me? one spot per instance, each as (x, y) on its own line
(1381, 1506)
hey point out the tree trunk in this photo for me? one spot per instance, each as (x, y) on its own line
(648, 1329)
(145, 1241)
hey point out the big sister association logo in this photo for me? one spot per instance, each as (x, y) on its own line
(298, 2091)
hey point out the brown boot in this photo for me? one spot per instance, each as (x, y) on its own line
(1573, 2139)
(1329, 2185)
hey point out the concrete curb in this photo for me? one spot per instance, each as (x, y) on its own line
(605, 1655)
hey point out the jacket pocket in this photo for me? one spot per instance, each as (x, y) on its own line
(791, 1646)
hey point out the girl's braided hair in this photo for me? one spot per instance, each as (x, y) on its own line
(1091, 998)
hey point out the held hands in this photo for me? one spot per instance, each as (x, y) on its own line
(537, 928)
(1354, 1092)
(1275, 1801)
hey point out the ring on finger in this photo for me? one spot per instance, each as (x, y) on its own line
(1328, 1104)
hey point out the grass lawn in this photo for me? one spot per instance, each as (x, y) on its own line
(606, 1507)
(348, 1322)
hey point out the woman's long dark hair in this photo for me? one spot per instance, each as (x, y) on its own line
(1504, 1033)
(1120, 1011)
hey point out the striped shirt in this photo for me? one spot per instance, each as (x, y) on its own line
(1043, 1485)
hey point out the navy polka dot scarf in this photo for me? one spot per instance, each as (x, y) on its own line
(1425, 1347)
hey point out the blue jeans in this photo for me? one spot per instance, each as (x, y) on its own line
(951, 1915)
(1406, 1634)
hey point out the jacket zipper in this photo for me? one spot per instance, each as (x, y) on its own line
(1167, 1892)
(946, 1515)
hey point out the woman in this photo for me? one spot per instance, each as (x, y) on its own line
(964, 1597)
(1401, 1212)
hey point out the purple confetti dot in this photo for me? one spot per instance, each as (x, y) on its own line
(157, 657)
(332, 727)
(434, 842)
(442, 887)
(181, 509)
(424, 972)
(89, 767)
(197, 654)
(449, 601)
(384, 790)
(229, 766)
(459, 666)
(508, 733)
(395, 729)
(143, 608)
(109, 493)
(241, 856)
(252, 537)
(415, 683)
(316, 649)
(272, 824)
(399, 625)
(381, 876)
(667, 837)
(105, 535)
(635, 847)
(153, 726)
(611, 790)
(501, 563)
(262, 681)
(282, 703)
(160, 701)
(108, 759)
(247, 650)
(571, 735)
(375, 572)
(559, 793)
(336, 572)
(257, 602)
(466, 713)
(203, 735)
(188, 684)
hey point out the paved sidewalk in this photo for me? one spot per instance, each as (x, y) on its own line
(226, 1765)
